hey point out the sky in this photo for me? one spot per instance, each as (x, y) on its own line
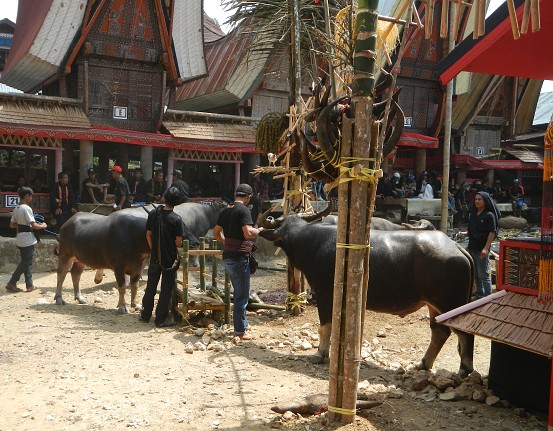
(213, 8)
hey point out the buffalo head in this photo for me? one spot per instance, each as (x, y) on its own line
(273, 227)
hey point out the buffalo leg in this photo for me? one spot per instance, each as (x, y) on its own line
(134, 292)
(120, 279)
(99, 276)
(76, 272)
(466, 352)
(64, 265)
(440, 334)
(324, 344)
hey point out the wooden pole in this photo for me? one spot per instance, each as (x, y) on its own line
(185, 256)
(525, 17)
(351, 245)
(447, 132)
(513, 18)
(202, 264)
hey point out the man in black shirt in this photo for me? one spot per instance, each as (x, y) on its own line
(164, 235)
(234, 228)
(138, 187)
(155, 188)
(62, 200)
(181, 186)
(121, 189)
(93, 192)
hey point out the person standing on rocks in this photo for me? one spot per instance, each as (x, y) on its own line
(24, 221)
(234, 229)
(482, 230)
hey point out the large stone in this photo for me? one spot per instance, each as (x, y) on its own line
(511, 222)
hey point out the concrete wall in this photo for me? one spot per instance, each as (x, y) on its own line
(45, 259)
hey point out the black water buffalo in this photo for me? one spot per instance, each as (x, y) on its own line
(408, 269)
(117, 242)
(379, 223)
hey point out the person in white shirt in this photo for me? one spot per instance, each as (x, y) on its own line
(426, 191)
(24, 221)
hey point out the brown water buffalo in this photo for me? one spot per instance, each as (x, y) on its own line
(408, 270)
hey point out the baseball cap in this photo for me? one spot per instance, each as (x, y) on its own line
(177, 173)
(116, 168)
(244, 190)
(515, 180)
(91, 170)
(397, 175)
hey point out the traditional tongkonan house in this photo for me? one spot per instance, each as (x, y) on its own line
(101, 78)
(519, 317)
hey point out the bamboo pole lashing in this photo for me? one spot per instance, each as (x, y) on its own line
(513, 19)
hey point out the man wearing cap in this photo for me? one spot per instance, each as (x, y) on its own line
(121, 189)
(234, 229)
(92, 191)
(180, 185)
(397, 186)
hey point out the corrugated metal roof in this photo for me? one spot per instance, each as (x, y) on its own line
(188, 38)
(33, 110)
(515, 319)
(544, 109)
(231, 74)
(212, 30)
(42, 37)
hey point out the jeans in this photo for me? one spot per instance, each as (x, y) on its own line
(25, 266)
(168, 280)
(239, 272)
(481, 274)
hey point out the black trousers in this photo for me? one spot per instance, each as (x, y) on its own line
(62, 218)
(168, 280)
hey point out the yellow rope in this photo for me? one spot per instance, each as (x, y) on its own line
(294, 301)
(352, 246)
(341, 411)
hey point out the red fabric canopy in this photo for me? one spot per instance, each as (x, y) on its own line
(409, 139)
(498, 53)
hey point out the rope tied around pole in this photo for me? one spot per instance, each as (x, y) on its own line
(357, 172)
(342, 411)
(298, 301)
(352, 246)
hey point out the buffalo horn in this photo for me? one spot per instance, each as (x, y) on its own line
(320, 214)
(267, 224)
(323, 130)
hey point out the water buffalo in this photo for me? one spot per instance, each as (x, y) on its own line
(117, 242)
(408, 269)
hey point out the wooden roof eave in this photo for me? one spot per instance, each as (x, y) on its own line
(84, 33)
(166, 38)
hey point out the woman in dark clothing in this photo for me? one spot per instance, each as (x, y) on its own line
(482, 230)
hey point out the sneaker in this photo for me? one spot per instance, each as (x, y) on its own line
(13, 288)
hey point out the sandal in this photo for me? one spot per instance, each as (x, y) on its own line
(13, 288)
(31, 288)
(246, 336)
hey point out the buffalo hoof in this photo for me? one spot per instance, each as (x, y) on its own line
(80, 300)
(316, 359)
(136, 307)
(122, 310)
(59, 301)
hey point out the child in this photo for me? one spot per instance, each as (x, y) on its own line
(24, 220)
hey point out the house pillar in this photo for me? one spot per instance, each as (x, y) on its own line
(147, 162)
(236, 175)
(58, 164)
(420, 161)
(86, 159)
(170, 168)
(123, 156)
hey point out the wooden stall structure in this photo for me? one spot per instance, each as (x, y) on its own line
(199, 300)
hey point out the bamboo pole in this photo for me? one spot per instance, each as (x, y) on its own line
(513, 19)
(429, 19)
(525, 17)
(185, 256)
(444, 24)
(482, 21)
(476, 32)
(535, 15)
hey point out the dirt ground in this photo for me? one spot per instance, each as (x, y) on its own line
(84, 367)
